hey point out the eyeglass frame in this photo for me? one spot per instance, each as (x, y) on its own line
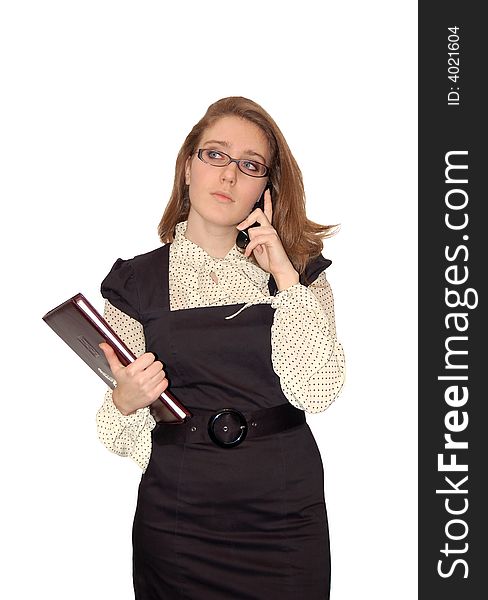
(235, 160)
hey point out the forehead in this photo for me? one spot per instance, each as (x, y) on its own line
(239, 135)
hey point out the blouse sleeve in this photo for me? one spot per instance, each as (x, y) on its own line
(305, 352)
(125, 435)
(120, 288)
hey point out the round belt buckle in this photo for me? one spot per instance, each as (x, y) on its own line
(227, 428)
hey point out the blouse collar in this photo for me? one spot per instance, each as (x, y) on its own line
(186, 249)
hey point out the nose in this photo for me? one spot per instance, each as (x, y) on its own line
(229, 172)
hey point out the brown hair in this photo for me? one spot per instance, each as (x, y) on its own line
(301, 238)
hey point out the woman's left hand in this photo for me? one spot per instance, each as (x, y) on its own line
(266, 244)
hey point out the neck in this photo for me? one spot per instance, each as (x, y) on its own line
(216, 240)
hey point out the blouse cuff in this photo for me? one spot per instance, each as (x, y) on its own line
(133, 422)
(134, 418)
(297, 296)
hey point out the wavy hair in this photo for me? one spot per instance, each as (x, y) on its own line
(301, 238)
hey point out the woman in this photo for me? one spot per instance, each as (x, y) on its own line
(250, 331)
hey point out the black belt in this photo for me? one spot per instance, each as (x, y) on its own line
(229, 427)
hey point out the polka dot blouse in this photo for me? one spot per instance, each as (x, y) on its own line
(305, 352)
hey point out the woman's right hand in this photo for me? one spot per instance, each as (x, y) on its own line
(138, 384)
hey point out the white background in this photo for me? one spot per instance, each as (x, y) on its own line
(97, 99)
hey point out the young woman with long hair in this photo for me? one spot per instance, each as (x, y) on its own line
(231, 502)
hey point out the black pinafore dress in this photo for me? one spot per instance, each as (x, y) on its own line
(213, 523)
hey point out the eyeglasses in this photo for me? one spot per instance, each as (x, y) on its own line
(216, 158)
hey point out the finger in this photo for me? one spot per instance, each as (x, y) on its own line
(159, 378)
(257, 216)
(262, 230)
(143, 362)
(112, 359)
(253, 245)
(268, 206)
(149, 384)
(160, 387)
(155, 369)
(154, 387)
(259, 249)
(264, 239)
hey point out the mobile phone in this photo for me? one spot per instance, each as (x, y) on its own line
(242, 239)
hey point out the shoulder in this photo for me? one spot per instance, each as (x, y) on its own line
(140, 263)
(314, 267)
(147, 258)
(121, 286)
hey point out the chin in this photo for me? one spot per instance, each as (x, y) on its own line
(220, 218)
(221, 215)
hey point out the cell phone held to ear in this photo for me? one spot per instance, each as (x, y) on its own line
(242, 239)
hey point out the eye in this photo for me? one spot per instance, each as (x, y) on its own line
(249, 165)
(213, 154)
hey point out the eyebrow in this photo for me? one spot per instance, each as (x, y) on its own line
(227, 145)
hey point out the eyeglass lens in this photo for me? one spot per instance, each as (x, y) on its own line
(220, 159)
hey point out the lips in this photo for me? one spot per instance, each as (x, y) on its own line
(222, 196)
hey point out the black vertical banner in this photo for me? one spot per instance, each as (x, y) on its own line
(453, 268)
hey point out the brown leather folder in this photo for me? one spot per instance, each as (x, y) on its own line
(79, 324)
